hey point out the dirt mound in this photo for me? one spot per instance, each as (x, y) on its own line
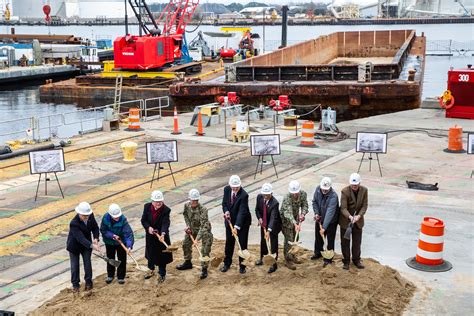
(310, 289)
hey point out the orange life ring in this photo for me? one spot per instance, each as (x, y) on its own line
(447, 100)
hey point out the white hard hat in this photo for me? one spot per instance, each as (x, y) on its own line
(354, 179)
(325, 183)
(114, 210)
(294, 187)
(193, 195)
(266, 188)
(157, 196)
(234, 181)
(84, 208)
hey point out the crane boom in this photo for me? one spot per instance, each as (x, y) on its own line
(177, 15)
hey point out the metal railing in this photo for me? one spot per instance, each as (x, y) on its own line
(85, 120)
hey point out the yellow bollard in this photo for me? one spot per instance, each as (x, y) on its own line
(129, 150)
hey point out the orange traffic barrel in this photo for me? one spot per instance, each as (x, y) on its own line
(429, 254)
(455, 140)
(134, 119)
(307, 134)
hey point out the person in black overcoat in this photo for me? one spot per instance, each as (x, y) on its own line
(235, 205)
(156, 221)
(268, 214)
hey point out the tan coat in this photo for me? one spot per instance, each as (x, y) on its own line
(351, 205)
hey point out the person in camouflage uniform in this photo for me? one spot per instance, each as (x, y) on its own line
(197, 225)
(291, 217)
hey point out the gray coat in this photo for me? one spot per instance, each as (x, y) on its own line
(326, 206)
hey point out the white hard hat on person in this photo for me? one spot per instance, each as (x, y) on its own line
(114, 210)
(83, 208)
(354, 179)
(266, 188)
(193, 195)
(157, 196)
(234, 181)
(325, 183)
(294, 187)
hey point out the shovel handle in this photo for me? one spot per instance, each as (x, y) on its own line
(193, 240)
(159, 238)
(235, 235)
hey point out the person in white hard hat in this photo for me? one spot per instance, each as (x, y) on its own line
(83, 237)
(268, 215)
(115, 229)
(354, 202)
(293, 211)
(199, 226)
(156, 221)
(235, 205)
(326, 215)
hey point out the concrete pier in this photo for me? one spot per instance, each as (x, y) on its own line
(16, 74)
(34, 264)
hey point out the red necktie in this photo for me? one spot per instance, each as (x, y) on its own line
(232, 200)
(264, 214)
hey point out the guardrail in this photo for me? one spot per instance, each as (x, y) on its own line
(77, 122)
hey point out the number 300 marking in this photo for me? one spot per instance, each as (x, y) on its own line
(463, 77)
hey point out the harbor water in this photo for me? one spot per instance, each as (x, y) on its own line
(22, 102)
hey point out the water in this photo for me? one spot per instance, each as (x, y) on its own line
(24, 102)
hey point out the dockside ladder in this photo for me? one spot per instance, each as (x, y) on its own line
(118, 95)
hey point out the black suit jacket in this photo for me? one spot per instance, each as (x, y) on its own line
(79, 237)
(239, 210)
(154, 248)
(273, 213)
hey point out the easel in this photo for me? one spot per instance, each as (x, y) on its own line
(158, 178)
(46, 184)
(370, 162)
(260, 162)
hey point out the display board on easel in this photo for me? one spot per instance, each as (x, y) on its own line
(265, 145)
(44, 162)
(371, 143)
(159, 152)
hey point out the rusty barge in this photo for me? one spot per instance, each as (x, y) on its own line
(359, 73)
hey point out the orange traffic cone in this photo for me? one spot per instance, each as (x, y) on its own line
(175, 123)
(200, 131)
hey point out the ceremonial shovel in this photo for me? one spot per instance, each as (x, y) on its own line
(244, 254)
(348, 233)
(139, 267)
(201, 258)
(327, 254)
(269, 258)
(168, 248)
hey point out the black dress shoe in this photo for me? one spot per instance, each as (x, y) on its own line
(345, 266)
(359, 265)
(161, 279)
(272, 269)
(242, 270)
(203, 274)
(225, 268)
(315, 257)
(186, 265)
(259, 262)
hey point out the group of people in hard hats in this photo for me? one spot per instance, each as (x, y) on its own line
(118, 236)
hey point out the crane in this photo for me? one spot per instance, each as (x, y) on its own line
(155, 48)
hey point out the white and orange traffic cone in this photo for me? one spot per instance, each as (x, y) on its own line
(200, 131)
(175, 123)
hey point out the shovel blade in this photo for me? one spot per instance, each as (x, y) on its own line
(244, 254)
(294, 243)
(115, 263)
(204, 259)
(348, 233)
(269, 260)
(327, 254)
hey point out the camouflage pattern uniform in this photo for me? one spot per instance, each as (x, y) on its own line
(289, 212)
(197, 220)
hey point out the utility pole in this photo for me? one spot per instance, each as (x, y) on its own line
(263, 35)
(126, 18)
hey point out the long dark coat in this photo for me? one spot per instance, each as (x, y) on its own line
(79, 237)
(273, 213)
(153, 247)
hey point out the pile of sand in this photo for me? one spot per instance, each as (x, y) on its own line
(311, 289)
